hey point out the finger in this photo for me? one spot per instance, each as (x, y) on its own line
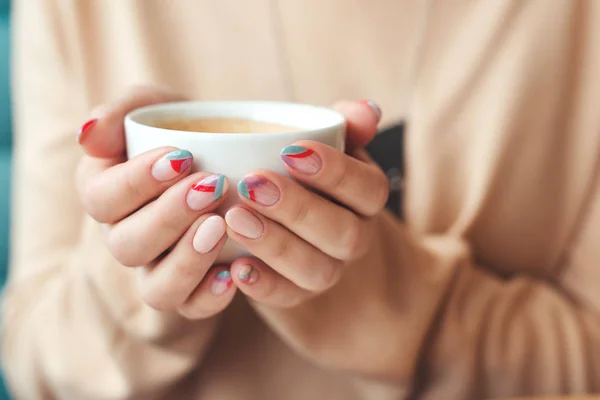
(150, 231)
(103, 136)
(110, 194)
(262, 284)
(283, 251)
(213, 294)
(361, 186)
(333, 229)
(167, 284)
(361, 121)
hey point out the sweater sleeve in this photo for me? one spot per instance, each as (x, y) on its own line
(492, 287)
(420, 316)
(73, 326)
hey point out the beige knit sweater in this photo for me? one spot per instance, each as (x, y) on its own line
(490, 288)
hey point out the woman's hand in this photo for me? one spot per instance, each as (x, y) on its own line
(157, 216)
(304, 237)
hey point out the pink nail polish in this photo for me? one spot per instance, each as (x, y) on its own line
(221, 283)
(248, 274)
(171, 165)
(244, 223)
(259, 190)
(206, 192)
(208, 234)
(376, 109)
(302, 159)
(85, 129)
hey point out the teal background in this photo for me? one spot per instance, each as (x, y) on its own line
(5, 147)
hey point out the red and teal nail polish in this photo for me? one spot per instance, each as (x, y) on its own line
(85, 129)
(221, 283)
(206, 192)
(259, 189)
(247, 274)
(301, 159)
(376, 109)
(171, 165)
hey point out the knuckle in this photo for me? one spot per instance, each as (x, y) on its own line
(267, 290)
(300, 212)
(186, 270)
(325, 276)
(280, 248)
(121, 249)
(169, 225)
(94, 204)
(337, 178)
(153, 299)
(352, 239)
(134, 186)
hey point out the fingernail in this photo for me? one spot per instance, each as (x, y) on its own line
(247, 274)
(171, 165)
(206, 191)
(259, 190)
(301, 159)
(85, 129)
(244, 223)
(221, 283)
(376, 109)
(208, 234)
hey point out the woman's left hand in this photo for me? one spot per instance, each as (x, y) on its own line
(303, 238)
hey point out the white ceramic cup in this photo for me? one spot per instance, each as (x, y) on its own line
(233, 154)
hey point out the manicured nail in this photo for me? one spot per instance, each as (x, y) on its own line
(247, 274)
(171, 165)
(85, 129)
(221, 283)
(376, 109)
(208, 234)
(206, 192)
(259, 190)
(301, 159)
(244, 223)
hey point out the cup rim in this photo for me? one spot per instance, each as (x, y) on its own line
(337, 119)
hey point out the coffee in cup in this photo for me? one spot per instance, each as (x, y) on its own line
(223, 125)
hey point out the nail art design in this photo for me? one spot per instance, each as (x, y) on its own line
(212, 184)
(259, 190)
(85, 128)
(171, 165)
(205, 192)
(221, 283)
(247, 274)
(301, 159)
(373, 106)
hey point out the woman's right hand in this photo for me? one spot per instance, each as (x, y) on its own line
(156, 218)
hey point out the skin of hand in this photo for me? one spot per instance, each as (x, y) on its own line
(158, 217)
(304, 231)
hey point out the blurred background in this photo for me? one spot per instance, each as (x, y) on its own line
(5, 147)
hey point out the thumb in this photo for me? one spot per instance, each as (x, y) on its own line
(103, 136)
(361, 121)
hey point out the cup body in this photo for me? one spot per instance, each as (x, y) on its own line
(233, 154)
